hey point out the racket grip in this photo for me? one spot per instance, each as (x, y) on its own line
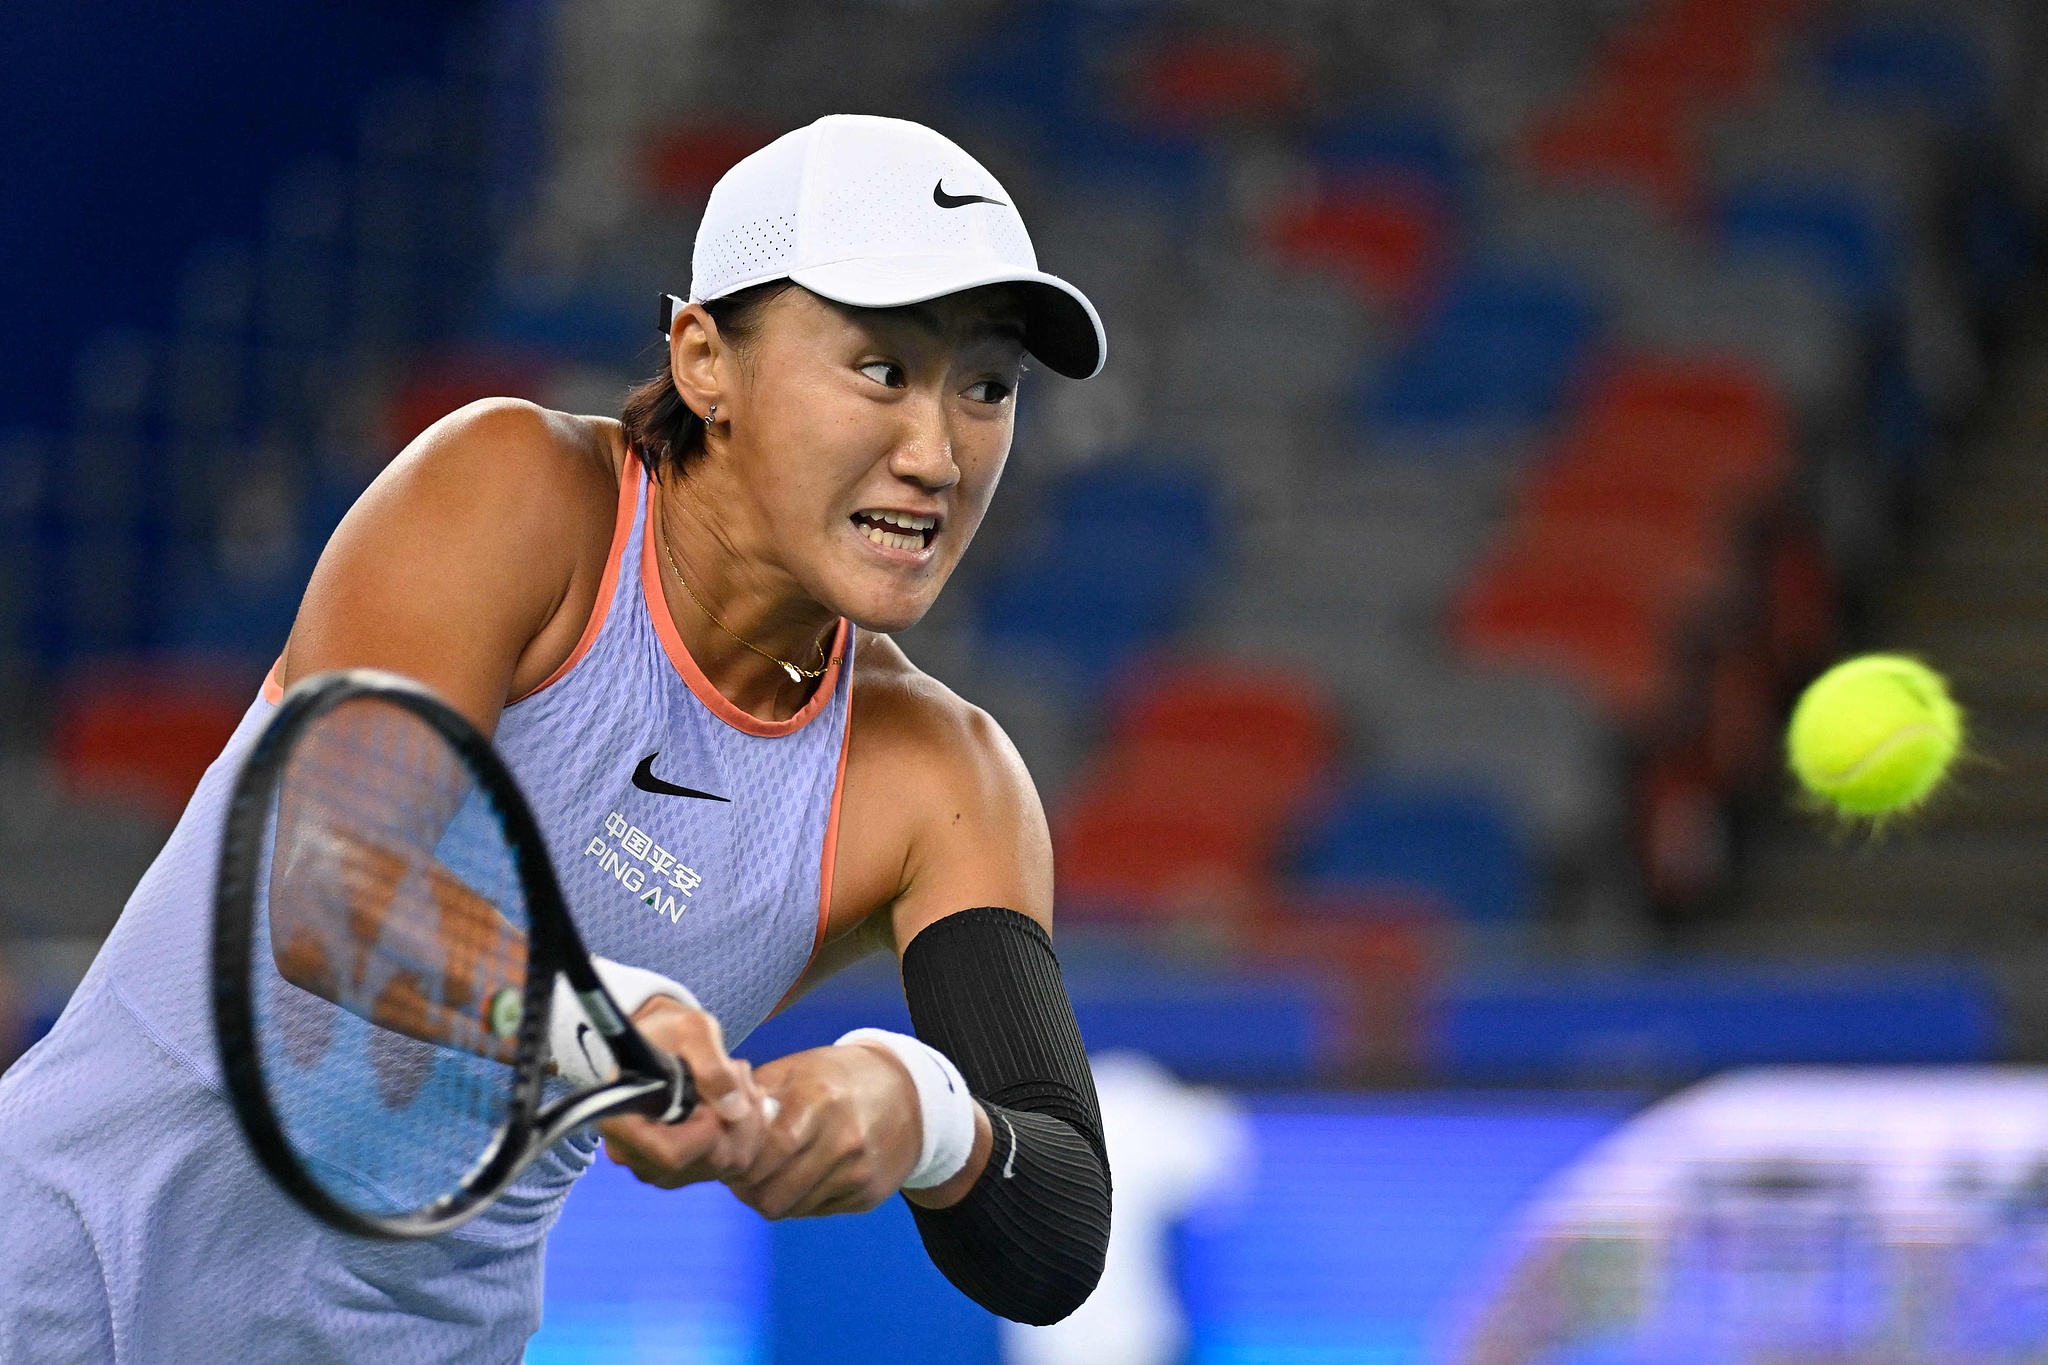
(679, 1100)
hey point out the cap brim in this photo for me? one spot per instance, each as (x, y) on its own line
(1061, 327)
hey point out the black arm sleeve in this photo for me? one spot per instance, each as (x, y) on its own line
(1029, 1239)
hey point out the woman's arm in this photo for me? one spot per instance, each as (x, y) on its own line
(944, 830)
(472, 563)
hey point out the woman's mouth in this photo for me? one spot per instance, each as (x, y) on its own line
(911, 532)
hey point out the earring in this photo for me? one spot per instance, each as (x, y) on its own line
(711, 416)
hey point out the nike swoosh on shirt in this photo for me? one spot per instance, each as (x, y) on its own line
(955, 201)
(645, 780)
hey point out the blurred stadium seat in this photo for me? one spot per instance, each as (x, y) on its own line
(1455, 850)
(685, 162)
(1184, 809)
(1200, 81)
(144, 738)
(1385, 240)
(1499, 350)
(1630, 138)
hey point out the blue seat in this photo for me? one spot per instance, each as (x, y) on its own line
(1500, 350)
(1102, 504)
(1047, 79)
(1921, 60)
(593, 327)
(1406, 143)
(1452, 845)
(1089, 615)
(1102, 153)
(1038, 74)
(1830, 227)
(1124, 549)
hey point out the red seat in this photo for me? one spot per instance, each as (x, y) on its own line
(1184, 811)
(1630, 139)
(1684, 570)
(436, 386)
(1170, 827)
(1194, 82)
(1270, 721)
(145, 737)
(1719, 419)
(1119, 854)
(1613, 634)
(1658, 493)
(685, 162)
(1699, 54)
(1384, 239)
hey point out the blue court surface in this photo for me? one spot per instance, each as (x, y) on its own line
(1355, 1233)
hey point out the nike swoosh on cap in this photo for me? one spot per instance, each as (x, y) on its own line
(645, 780)
(954, 201)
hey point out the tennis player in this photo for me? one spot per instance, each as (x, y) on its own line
(676, 625)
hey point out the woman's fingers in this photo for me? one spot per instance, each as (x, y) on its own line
(833, 1147)
(704, 1146)
(816, 1176)
(722, 1136)
(695, 1036)
(663, 1154)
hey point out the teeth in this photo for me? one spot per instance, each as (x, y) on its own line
(895, 540)
(908, 520)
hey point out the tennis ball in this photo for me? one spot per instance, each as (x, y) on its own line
(1875, 735)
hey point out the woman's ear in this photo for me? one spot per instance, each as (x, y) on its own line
(697, 358)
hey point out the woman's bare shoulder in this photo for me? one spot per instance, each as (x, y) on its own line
(512, 450)
(496, 517)
(912, 718)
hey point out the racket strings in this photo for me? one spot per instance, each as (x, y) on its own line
(365, 911)
(394, 921)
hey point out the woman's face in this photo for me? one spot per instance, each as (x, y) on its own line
(867, 442)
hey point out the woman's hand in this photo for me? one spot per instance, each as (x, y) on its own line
(722, 1138)
(847, 1134)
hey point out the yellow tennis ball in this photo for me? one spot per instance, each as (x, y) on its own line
(1875, 735)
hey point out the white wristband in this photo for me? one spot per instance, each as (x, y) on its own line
(944, 1106)
(577, 1047)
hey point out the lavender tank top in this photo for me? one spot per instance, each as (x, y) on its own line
(726, 896)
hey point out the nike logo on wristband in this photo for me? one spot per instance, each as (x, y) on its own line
(583, 1046)
(645, 780)
(1010, 1161)
(957, 201)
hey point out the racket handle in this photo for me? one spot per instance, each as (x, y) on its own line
(679, 1100)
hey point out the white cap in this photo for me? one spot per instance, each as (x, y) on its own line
(878, 213)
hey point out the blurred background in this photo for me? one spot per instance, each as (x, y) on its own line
(1512, 404)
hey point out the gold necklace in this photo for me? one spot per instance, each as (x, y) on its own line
(796, 672)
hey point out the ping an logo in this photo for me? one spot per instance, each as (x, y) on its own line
(654, 876)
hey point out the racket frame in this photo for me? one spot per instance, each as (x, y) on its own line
(650, 1081)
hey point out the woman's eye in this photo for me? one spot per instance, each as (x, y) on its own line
(989, 391)
(887, 373)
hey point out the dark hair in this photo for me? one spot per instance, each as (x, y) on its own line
(659, 424)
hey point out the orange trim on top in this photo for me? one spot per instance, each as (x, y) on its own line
(693, 676)
(830, 859)
(273, 690)
(607, 586)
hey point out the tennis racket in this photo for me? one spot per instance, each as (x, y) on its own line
(387, 937)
